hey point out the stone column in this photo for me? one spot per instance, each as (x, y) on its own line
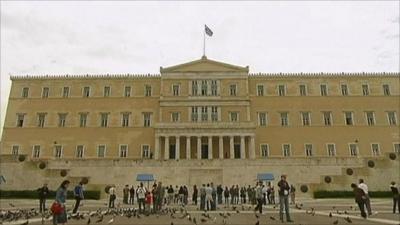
(166, 148)
(231, 146)
(210, 147)
(252, 149)
(157, 148)
(242, 147)
(188, 147)
(198, 147)
(177, 147)
(221, 147)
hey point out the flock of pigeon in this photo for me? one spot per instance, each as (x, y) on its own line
(170, 213)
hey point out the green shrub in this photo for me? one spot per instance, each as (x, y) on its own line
(33, 194)
(350, 194)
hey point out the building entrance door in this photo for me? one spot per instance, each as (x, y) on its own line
(172, 151)
(204, 151)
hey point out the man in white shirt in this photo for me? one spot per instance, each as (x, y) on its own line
(113, 196)
(141, 194)
(364, 187)
(209, 198)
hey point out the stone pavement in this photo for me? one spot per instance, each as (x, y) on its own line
(343, 211)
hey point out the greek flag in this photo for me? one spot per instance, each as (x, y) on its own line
(208, 31)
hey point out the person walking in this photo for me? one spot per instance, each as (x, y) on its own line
(141, 194)
(259, 196)
(61, 198)
(359, 196)
(396, 197)
(112, 197)
(292, 194)
(125, 194)
(132, 195)
(194, 196)
(367, 201)
(284, 198)
(78, 194)
(43, 194)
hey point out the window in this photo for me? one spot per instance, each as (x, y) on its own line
(107, 91)
(104, 119)
(204, 88)
(45, 92)
(194, 88)
(127, 91)
(344, 89)
(232, 90)
(331, 149)
(15, 150)
(194, 114)
(234, 116)
(284, 119)
(175, 117)
(20, 120)
(348, 118)
(82, 119)
(370, 118)
(386, 89)
(281, 90)
(286, 150)
(324, 90)
(260, 90)
(396, 147)
(41, 119)
(306, 118)
(146, 119)
(204, 113)
(303, 90)
(86, 92)
(375, 149)
(65, 92)
(214, 113)
(25, 92)
(123, 151)
(392, 118)
(79, 151)
(101, 151)
(175, 89)
(309, 149)
(353, 149)
(36, 151)
(145, 151)
(147, 91)
(58, 151)
(262, 119)
(61, 119)
(365, 89)
(214, 88)
(125, 119)
(264, 150)
(327, 118)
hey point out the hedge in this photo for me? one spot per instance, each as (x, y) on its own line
(350, 194)
(33, 194)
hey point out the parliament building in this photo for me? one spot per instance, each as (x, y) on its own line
(199, 121)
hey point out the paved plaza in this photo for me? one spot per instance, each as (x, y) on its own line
(343, 211)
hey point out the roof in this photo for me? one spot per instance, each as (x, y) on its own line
(204, 65)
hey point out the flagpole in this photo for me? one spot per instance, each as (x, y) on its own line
(204, 42)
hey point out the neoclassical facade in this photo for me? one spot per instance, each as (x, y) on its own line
(203, 110)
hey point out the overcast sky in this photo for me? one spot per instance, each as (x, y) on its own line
(138, 37)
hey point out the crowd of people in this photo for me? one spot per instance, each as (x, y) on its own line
(152, 199)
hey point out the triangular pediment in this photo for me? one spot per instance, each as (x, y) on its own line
(204, 65)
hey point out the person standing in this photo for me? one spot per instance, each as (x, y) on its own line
(113, 196)
(170, 195)
(259, 196)
(78, 194)
(132, 195)
(264, 192)
(141, 194)
(292, 194)
(43, 194)
(125, 194)
(359, 196)
(272, 195)
(209, 198)
(203, 197)
(194, 196)
(226, 196)
(214, 197)
(284, 198)
(396, 197)
(367, 201)
(61, 197)
(220, 190)
(185, 195)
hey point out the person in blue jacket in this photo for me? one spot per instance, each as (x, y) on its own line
(61, 197)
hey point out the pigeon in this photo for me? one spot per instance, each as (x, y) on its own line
(336, 222)
(348, 220)
(203, 220)
(100, 219)
(111, 221)
(172, 223)
(88, 222)
(272, 218)
(330, 214)
(12, 205)
(257, 223)
(257, 216)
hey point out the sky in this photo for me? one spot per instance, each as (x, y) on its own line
(77, 37)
